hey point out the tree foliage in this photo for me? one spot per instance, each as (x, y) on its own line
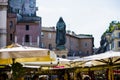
(18, 70)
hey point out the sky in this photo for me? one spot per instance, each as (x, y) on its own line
(81, 16)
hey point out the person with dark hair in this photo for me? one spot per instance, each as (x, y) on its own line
(35, 77)
(87, 78)
(3, 76)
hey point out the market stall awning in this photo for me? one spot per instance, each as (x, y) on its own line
(62, 63)
(50, 61)
(107, 58)
(19, 53)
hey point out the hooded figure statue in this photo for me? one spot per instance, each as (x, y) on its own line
(60, 34)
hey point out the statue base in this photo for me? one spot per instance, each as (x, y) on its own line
(61, 53)
(60, 47)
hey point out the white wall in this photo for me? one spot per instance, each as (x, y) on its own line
(3, 25)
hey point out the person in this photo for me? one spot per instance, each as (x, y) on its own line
(35, 77)
(3, 76)
(60, 34)
(86, 77)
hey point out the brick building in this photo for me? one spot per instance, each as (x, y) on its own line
(23, 26)
(77, 45)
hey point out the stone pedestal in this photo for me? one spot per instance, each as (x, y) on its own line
(61, 53)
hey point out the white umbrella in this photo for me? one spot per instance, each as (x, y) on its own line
(63, 59)
(63, 63)
(52, 62)
(109, 58)
(23, 54)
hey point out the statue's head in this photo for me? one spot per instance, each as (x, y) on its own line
(61, 23)
(61, 19)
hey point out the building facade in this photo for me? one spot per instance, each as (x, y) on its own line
(3, 21)
(77, 45)
(115, 40)
(110, 40)
(48, 36)
(23, 26)
(11, 26)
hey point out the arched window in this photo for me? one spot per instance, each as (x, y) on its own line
(63, 56)
(50, 46)
(57, 55)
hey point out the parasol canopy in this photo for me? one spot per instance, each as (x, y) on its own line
(19, 53)
(107, 58)
(51, 62)
(63, 63)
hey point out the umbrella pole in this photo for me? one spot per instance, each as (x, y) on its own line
(111, 76)
(13, 60)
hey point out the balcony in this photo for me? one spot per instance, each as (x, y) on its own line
(33, 44)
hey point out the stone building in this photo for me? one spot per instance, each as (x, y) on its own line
(115, 37)
(77, 45)
(48, 35)
(110, 40)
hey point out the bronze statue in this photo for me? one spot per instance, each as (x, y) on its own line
(60, 34)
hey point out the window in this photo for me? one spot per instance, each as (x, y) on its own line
(27, 27)
(42, 34)
(42, 45)
(63, 56)
(49, 35)
(50, 46)
(27, 38)
(86, 44)
(57, 55)
(11, 24)
(112, 45)
(119, 35)
(87, 52)
(11, 37)
(119, 44)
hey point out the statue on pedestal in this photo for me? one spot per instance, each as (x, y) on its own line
(60, 34)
